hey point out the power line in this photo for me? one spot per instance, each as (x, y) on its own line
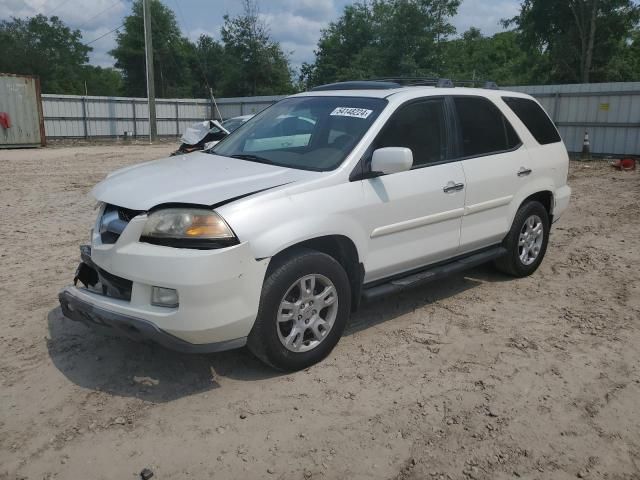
(198, 59)
(56, 8)
(102, 36)
(98, 14)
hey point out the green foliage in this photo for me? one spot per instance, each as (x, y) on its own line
(499, 58)
(101, 81)
(578, 38)
(246, 62)
(45, 47)
(552, 41)
(383, 38)
(207, 63)
(625, 64)
(173, 55)
(254, 64)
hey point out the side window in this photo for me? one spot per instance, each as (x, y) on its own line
(534, 118)
(420, 127)
(483, 127)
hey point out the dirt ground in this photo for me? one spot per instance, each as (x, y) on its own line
(478, 377)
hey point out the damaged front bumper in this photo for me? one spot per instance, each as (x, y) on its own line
(218, 290)
(133, 328)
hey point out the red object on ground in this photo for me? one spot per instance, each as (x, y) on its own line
(628, 164)
(625, 164)
(5, 121)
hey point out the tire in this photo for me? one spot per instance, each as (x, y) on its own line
(283, 284)
(516, 262)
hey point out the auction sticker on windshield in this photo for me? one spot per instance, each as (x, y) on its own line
(351, 112)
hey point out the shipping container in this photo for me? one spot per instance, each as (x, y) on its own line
(21, 119)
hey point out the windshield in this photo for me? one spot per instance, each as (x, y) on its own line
(310, 133)
(233, 123)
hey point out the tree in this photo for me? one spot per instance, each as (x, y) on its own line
(579, 37)
(254, 63)
(345, 49)
(625, 65)
(173, 55)
(498, 58)
(383, 38)
(45, 47)
(209, 63)
(101, 81)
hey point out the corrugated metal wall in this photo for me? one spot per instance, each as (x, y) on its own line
(20, 101)
(71, 116)
(610, 112)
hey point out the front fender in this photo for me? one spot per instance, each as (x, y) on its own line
(273, 222)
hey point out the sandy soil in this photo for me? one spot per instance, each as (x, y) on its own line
(479, 377)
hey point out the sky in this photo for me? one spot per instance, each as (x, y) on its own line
(296, 24)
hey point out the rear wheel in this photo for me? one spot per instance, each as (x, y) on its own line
(526, 242)
(304, 307)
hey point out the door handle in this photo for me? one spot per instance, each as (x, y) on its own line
(523, 172)
(453, 187)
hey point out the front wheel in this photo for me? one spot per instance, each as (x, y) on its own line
(304, 307)
(526, 242)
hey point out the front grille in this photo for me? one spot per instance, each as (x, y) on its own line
(99, 281)
(113, 222)
(127, 214)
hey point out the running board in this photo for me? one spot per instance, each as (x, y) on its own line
(432, 273)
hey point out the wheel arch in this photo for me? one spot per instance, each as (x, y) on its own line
(545, 197)
(343, 250)
(541, 191)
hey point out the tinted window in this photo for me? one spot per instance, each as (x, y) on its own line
(419, 127)
(483, 128)
(534, 118)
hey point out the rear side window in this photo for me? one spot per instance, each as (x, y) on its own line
(420, 127)
(483, 127)
(534, 118)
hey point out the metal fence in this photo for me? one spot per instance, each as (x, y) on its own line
(610, 112)
(71, 116)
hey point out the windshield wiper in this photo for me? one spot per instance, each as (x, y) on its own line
(252, 158)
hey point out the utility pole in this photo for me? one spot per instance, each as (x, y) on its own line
(151, 90)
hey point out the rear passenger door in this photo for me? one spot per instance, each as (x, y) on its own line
(414, 217)
(494, 163)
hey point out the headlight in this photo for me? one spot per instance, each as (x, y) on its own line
(188, 228)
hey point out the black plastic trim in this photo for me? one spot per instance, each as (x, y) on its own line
(133, 328)
(430, 273)
(191, 243)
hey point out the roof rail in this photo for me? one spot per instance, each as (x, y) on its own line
(398, 82)
(419, 81)
(358, 85)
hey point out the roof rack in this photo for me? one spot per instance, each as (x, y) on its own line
(399, 82)
(358, 85)
(419, 81)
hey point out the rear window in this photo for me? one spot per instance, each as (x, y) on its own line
(534, 118)
(483, 128)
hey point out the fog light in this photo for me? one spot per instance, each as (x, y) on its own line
(164, 297)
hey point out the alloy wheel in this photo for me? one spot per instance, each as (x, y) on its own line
(307, 313)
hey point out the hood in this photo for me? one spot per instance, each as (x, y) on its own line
(197, 178)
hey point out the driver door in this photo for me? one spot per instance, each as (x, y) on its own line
(414, 218)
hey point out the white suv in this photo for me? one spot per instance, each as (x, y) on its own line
(347, 192)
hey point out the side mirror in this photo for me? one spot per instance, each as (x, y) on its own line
(391, 160)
